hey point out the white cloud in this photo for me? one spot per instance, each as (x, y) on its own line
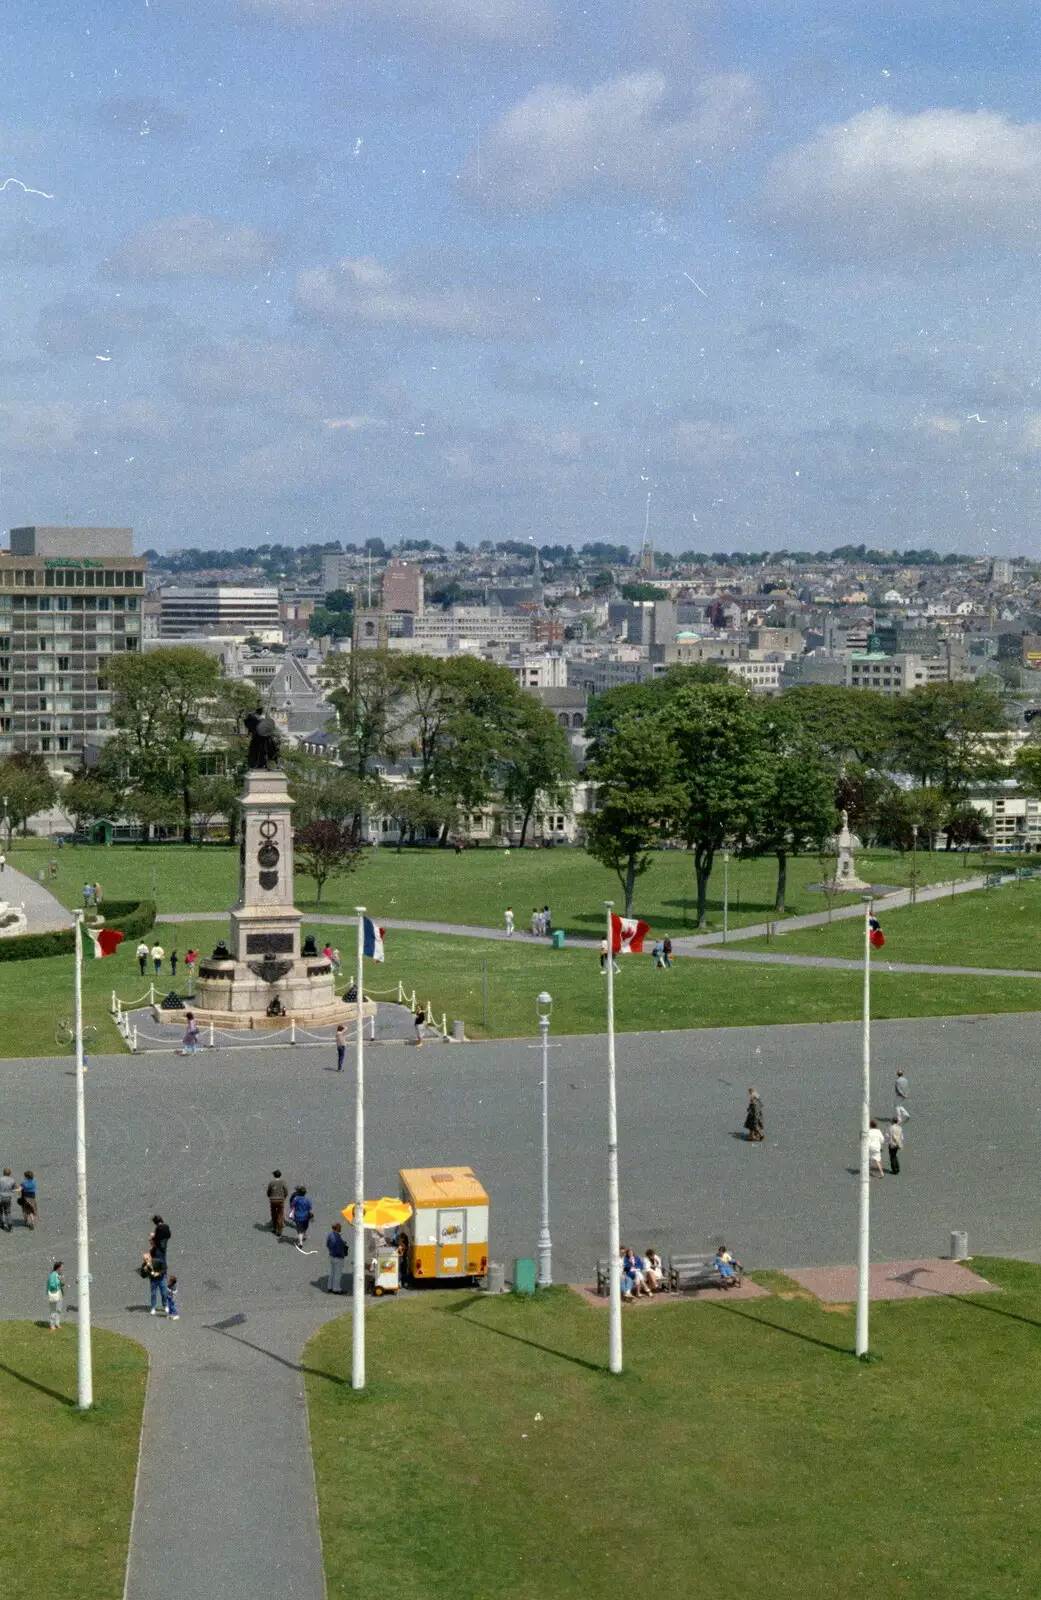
(361, 291)
(484, 21)
(933, 180)
(191, 246)
(626, 135)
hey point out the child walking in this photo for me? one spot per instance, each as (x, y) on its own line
(171, 1298)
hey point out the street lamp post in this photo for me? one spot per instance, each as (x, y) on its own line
(726, 892)
(914, 863)
(544, 1005)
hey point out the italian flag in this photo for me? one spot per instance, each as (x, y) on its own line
(104, 940)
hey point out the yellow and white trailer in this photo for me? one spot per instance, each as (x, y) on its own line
(448, 1229)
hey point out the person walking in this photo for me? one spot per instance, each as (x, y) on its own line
(171, 1298)
(160, 1239)
(337, 1249)
(157, 1284)
(337, 963)
(754, 1118)
(419, 1022)
(190, 1036)
(301, 1211)
(277, 1195)
(88, 894)
(55, 1290)
(547, 921)
(8, 1189)
(666, 950)
(157, 953)
(875, 1142)
(142, 956)
(901, 1094)
(605, 957)
(3, 861)
(189, 966)
(27, 1199)
(895, 1141)
(341, 1045)
(173, 963)
(509, 922)
(53, 867)
(658, 952)
(97, 894)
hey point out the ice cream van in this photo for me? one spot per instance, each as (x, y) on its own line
(448, 1230)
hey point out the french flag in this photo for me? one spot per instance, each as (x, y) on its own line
(104, 940)
(372, 940)
(627, 935)
(875, 935)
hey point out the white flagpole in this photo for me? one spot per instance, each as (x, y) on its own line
(85, 1376)
(864, 1232)
(358, 1281)
(614, 1242)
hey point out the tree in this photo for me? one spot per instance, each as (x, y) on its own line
(476, 740)
(539, 765)
(26, 786)
(634, 699)
(843, 725)
(325, 849)
(87, 798)
(798, 808)
(364, 687)
(638, 798)
(717, 735)
(944, 736)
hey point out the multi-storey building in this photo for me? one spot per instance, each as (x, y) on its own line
(402, 587)
(220, 611)
(70, 598)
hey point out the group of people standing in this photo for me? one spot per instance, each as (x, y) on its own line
(154, 1268)
(91, 894)
(24, 1191)
(157, 955)
(541, 922)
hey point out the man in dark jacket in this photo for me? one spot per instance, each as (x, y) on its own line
(277, 1194)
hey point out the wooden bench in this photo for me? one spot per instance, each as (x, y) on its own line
(699, 1272)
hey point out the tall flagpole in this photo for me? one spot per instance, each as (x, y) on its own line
(614, 1244)
(864, 1233)
(358, 1281)
(85, 1377)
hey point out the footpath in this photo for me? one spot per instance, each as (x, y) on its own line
(44, 913)
(709, 946)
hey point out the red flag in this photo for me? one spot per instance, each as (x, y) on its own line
(627, 935)
(875, 934)
(104, 940)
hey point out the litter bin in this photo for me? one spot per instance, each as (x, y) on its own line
(459, 1030)
(557, 939)
(959, 1246)
(524, 1275)
(495, 1282)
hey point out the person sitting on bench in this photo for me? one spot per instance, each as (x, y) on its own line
(725, 1264)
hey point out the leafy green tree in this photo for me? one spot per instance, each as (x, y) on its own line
(717, 735)
(365, 689)
(88, 798)
(798, 810)
(326, 624)
(944, 735)
(539, 767)
(636, 699)
(476, 741)
(638, 798)
(844, 725)
(26, 786)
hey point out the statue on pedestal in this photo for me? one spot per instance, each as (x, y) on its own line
(845, 879)
(264, 742)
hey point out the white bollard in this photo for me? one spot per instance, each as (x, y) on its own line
(134, 1045)
(151, 994)
(372, 1026)
(292, 1030)
(115, 1003)
(211, 1035)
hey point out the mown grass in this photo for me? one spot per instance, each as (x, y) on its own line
(69, 1475)
(473, 888)
(491, 986)
(744, 1451)
(992, 928)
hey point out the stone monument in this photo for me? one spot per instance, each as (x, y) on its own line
(13, 920)
(845, 880)
(260, 977)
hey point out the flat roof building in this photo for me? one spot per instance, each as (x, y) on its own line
(220, 611)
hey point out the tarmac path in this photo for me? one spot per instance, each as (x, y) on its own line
(44, 912)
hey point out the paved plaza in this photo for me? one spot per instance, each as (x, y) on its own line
(225, 1466)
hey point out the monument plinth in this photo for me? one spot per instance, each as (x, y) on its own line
(260, 977)
(844, 880)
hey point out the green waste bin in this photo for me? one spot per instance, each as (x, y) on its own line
(558, 939)
(524, 1275)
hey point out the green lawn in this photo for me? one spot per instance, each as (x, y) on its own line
(994, 928)
(447, 971)
(69, 1475)
(744, 1451)
(473, 888)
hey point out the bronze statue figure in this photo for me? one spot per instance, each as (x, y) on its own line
(264, 742)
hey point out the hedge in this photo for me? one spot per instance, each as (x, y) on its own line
(132, 917)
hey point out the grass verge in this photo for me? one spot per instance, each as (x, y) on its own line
(70, 1475)
(743, 1452)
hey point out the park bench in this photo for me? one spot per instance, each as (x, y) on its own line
(698, 1272)
(603, 1277)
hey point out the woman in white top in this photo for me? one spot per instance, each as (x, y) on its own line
(874, 1145)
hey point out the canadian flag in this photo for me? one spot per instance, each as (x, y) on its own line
(627, 935)
(104, 940)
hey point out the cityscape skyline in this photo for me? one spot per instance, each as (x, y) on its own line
(467, 269)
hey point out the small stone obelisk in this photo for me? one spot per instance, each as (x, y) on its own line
(845, 879)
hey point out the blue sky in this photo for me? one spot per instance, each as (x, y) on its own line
(457, 269)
